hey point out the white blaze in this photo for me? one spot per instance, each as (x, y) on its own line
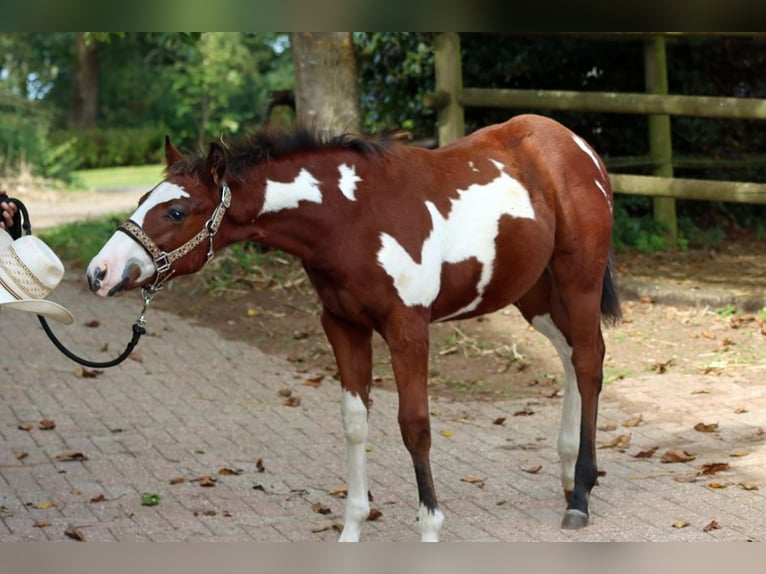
(468, 231)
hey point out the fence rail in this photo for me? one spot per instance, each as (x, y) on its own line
(450, 97)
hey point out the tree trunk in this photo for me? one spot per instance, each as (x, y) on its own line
(326, 91)
(84, 110)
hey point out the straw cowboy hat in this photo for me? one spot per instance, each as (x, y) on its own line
(29, 271)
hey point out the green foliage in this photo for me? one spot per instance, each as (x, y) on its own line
(108, 147)
(79, 242)
(634, 226)
(395, 70)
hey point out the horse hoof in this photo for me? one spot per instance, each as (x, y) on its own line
(574, 520)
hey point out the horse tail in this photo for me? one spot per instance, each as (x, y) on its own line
(611, 313)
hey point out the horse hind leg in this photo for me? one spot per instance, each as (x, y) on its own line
(535, 306)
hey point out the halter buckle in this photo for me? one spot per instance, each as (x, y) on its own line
(161, 263)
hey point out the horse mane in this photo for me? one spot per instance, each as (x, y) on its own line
(272, 144)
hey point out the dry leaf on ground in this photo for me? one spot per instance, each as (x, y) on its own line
(649, 453)
(702, 427)
(71, 455)
(712, 525)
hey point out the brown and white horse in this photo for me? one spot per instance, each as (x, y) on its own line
(393, 238)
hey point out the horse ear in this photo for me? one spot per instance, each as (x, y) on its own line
(172, 155)
(215, 164)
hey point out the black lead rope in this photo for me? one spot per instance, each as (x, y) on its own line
(139, 327)
(138, 330)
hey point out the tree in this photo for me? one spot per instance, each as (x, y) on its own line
(326, 91)
(84, 112)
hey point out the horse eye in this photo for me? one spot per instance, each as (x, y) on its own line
(174, 214)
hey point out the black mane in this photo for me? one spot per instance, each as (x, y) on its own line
(268, 145)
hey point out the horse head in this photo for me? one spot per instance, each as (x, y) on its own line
(171, 232)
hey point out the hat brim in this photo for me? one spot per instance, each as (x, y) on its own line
(41, 307)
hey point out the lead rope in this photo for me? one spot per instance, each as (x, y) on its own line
(139, 327)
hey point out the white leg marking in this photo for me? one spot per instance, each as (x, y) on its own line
(279, 195)
(430, 524)
(569, 435)
(354, 416)
(121, 250)
(468, 231)
(348, 180)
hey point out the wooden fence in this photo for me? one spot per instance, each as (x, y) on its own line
(451, 97)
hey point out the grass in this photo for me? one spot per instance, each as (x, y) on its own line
(116, 177)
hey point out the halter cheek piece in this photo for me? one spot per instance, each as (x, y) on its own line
(164, 260)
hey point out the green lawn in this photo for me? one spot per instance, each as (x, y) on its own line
(114, 177)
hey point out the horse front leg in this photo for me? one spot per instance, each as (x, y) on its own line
(353, 353)
(408, 339)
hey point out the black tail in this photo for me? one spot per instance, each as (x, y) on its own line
(611, 313)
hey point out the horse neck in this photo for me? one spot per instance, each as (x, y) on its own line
(297, 206)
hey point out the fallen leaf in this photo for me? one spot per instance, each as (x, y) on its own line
(71, 455)
(205, 480)
(725, 343)
(252, 312)
(446, 433)
(314, 381)
(680, 524)
(285, 392)
(98, 498)
(225, 471)
(21, 455)
(474, 480)
(717, 485)
(647, 300)
(41, 524)
(621, 442)
(708, 335)
(320, 508)
(633, 422)
(295, 358)
(339, 492)
(226, 513)
(293, 401)
(46, 424)
(607, 427)
(87, 373)
(45, 505)
(739, 410)
(177, 480)
(534, 469)
(208, 512)
(702, 427)
(150, 499)
(525, 412)
(739, 453)
(702, 391)
(498, 421)
(677, 455)
(712, 525)
(92, 323)
(649, 453)
(299, 335)
(334, 526)
(748, 485)
(713, 467)
(662, 367)
(374, 514)
(259, 465)
(75, 534)
(25, 426)
(686, 478)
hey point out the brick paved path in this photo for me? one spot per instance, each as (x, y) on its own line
(194, 403)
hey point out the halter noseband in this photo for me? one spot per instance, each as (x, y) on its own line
(162, 259)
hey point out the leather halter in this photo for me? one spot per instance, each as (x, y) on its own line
(162, 259)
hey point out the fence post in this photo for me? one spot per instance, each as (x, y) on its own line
(660, 144)
(449, 80)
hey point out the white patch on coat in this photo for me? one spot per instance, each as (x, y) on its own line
(354, 417)
(121, 250)
(581, 143)
(348, 180)
(430, 523)
(569, 434)
(472, 166)
(468, 231)
(279, 195)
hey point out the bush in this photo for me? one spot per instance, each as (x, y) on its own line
(113, 147)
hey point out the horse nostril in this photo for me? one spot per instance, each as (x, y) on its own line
(94, 280)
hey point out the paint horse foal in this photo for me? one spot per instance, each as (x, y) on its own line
(395, 237)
